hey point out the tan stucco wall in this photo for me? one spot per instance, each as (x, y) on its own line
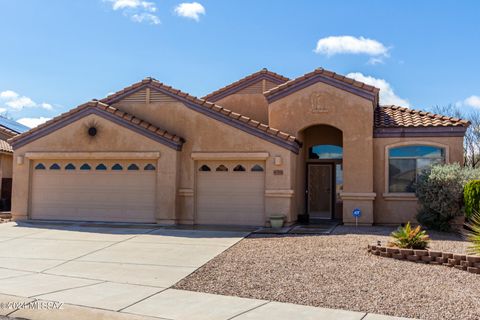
(254, 106)
(111, 138)
(351, 114)
(394, 209)
(6, 164)
(205, 134)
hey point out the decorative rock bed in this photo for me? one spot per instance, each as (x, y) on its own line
(459, 261)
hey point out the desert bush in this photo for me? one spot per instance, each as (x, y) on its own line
(440, 192)
(410, 238)
(471, 197)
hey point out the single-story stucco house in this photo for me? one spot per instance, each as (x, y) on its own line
(317, 146)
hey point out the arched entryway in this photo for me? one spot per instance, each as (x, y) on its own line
(322, 174)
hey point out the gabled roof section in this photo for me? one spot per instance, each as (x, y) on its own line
(103, 110)
(236, 86)
(395, 117)
(214, 111)
(321, 75)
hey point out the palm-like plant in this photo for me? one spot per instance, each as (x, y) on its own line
(410, 238)
(473, 235)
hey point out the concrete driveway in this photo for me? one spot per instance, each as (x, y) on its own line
(106, 268)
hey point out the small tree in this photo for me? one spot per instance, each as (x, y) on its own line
(471, 142)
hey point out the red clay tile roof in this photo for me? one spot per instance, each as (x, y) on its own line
(325, 73)
(5, 147)
(104, 107)
(259, 75)
(208, 108)
(401, 117)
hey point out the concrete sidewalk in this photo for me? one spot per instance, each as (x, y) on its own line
(187, 305)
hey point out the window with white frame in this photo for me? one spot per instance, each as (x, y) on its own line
(407, 162)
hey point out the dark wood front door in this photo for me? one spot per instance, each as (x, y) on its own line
(319, 191)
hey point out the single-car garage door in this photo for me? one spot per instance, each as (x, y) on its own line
(94, 190)
(230, 192)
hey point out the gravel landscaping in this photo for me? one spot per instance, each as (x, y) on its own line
(335, 271)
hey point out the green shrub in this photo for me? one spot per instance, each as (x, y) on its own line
(474, 234)
(471, 197)
(440, 193)
(408, 238)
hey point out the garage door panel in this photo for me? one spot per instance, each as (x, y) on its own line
(96, 195)
(230, 197)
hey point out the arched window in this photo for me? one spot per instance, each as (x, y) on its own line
(55, 166)
(149, 167)
(257, 168)
(70, 166)
(40, 166)
(239, 167)
(204, 168)
(325, 151)
(406, 163)
(101, 167)
(133, 166)
(221, 168)
(117, 167)
(85, 166)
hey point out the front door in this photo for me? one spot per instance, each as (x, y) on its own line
(319, 191)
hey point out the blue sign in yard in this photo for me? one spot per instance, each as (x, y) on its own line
(356, 213)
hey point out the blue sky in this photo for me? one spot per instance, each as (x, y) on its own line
(56, 54)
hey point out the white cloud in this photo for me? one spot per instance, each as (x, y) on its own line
(472, 101)
(191, 10)
(333, 45)
(32, 122)
(387, 94)
(8, 94)
(137, 10)
(17, 102)
(147, 17)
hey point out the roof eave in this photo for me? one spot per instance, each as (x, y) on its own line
(20, 141)
(424, 131)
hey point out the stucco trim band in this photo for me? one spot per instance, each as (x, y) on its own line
(279, 193)
(327, 80)
(230, 155)
(399, 196)
(92, 155)
(185, 192)
(419, 132)
(358, 196)
(101, 113)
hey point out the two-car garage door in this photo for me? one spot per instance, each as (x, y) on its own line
(94, 190)
(230, 192)
(227, 192)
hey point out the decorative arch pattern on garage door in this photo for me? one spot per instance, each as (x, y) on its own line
(230, 192)
(93, 190)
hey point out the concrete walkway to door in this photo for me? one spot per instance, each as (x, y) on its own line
(124, 273)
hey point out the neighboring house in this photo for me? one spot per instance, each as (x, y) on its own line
(8, 129)
(319, 145)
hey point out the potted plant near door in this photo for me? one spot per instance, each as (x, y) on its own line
(276, 220)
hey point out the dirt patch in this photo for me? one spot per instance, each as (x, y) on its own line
(335, 271)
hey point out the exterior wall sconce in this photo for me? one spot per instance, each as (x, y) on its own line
(20, 160)
(277, 161)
